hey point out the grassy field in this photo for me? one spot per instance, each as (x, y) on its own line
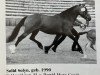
(27, 52)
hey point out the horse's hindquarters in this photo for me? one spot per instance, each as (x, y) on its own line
(32, 22)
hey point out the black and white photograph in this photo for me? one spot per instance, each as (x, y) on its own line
(50, 32)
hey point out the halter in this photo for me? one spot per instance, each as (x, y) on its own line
(83, 12)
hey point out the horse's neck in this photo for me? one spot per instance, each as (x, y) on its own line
(69, 15)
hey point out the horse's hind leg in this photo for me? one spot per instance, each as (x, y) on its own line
(13, 47)
(58, 42)
(20, 38)
(54, 42)
(33, 39)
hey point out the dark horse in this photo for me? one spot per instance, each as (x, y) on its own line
(59, 24)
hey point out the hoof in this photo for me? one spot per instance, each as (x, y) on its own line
(81, 52)
(85, 56)
(75, 49)
(54, 49)
(78, 49)
(46, 47)
(41, 47)
(12, 49)
(46, 52)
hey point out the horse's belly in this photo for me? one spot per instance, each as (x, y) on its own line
(51, 30)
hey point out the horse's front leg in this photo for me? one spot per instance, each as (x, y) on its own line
(76, 42)
(75, 33)
(54, 42)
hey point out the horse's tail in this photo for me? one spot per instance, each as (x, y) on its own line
(81, 33)
(16, 30)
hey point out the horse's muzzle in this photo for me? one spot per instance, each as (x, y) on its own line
(88, 19)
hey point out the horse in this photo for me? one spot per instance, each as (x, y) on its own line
(60, 38)
(91, 37)
(59, 24)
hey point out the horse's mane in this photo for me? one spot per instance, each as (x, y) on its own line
(68, 11)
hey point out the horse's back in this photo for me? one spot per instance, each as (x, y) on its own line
(51, 24)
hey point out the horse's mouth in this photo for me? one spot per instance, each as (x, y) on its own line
(88, 19)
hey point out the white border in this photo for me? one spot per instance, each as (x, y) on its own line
(82, 69)
(2, 38)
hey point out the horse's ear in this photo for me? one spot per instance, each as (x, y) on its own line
(79, 4)
(82, 5)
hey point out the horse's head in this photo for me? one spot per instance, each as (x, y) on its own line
(82, 11)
